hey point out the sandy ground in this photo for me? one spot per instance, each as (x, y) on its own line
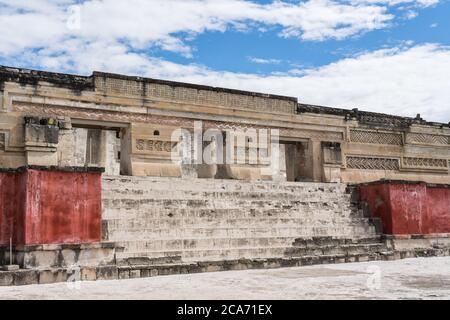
(426, 278)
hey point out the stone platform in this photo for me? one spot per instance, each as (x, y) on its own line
(133, 271)
(165, 226)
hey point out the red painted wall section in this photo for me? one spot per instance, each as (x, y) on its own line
(438, 210)
(50, 207)
(377, 197)
(12, 207)
(407, 208)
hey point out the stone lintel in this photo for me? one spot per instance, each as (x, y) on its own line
(53, 168)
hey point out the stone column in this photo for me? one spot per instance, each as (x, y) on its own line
(41, 142)
(279, 173)
(315, 153)
(111, 146)
(188, 168)
(80, 145)
(1, 102)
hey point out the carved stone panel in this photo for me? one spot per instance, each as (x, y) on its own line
(361, 136)
(152, 146)
(425, 163)
(195, 95)
(429, 139)
(153, 153)
(158, 147)
(372, 163)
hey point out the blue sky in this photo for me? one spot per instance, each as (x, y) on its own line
(233, 50)
(388, 56)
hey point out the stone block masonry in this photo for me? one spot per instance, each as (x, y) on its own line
(113, 109)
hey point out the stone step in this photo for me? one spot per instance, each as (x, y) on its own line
(236, 187)
(188, 255)
(232, 213)
(151, 242)
(224, 204)
(191, 255)
(144, 235)
(140, 190)
(150, 222)
(197, 243)
(334, 241)
(150, 269)
(192, 205)
(168, 195)
(146, 227)
(172, 194)
(116, 232)
(221, 214)
(176, 219)
(155, 183)
(336, 250)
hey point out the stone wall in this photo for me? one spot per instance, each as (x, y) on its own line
(370, 155)
(366, 146)
(117, 85)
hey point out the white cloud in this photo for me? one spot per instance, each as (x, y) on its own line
(263, 61)
(411, 14)
(417, 3)
(115, 36)
(165, 23)
(402, 80)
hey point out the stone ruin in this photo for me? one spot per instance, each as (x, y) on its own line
(97, 177)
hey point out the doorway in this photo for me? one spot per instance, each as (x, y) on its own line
(298, 164)
(97, 145)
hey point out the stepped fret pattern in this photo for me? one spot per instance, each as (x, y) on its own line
(376, 137)
(431, 139)
(425, 163)
(370, 163)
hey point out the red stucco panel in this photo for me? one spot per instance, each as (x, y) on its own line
(377, 197)
(50, 207)
(438, 210)
(407, 208)
(12, 207)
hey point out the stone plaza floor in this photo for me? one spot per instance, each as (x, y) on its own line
(423, 278)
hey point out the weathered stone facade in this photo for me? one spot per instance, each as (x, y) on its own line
(161, 213)
(125, 124)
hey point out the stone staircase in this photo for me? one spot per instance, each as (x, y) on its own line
(173, 221)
